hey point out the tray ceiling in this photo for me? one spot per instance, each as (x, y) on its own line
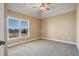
(55, 9)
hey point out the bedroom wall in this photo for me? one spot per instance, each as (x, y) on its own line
(34, 26)
(60, 27)
(77, 27)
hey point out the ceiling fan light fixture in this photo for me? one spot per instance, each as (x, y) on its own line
(42, 6)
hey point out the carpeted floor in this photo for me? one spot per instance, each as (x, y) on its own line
(43, 48)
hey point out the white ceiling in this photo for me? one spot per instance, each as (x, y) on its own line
(55, 9)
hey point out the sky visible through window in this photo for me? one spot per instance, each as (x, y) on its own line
(14, 24)
(24, 25)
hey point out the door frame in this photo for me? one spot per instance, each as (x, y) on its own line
(5, 29)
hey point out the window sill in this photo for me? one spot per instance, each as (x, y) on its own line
(18, 38)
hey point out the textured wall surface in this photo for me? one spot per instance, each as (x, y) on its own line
(62, 27)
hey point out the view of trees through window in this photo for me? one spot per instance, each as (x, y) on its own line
(17, 27)
(24, 28)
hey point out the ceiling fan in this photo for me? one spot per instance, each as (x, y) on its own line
(42, 6)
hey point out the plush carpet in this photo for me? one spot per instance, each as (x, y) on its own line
(43, 48)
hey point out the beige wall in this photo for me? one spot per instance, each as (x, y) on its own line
(77, 26)
(34, 26)
(5, 28)
(61, 27)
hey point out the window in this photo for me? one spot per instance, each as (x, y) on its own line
(13, 28)
(24, 28)
(17, 27)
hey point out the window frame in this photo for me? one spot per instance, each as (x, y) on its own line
(19, 20)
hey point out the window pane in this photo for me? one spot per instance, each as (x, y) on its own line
(13, 28)
(24, 28)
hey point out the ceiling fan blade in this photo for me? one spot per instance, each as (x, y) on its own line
(42, 6)
(48, 9)
(34, 7)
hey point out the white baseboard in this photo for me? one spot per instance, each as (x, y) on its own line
(74, 43)
(11, 45)
(77, 46)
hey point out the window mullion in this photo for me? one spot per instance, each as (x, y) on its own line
(18, 24)
(19, 28)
